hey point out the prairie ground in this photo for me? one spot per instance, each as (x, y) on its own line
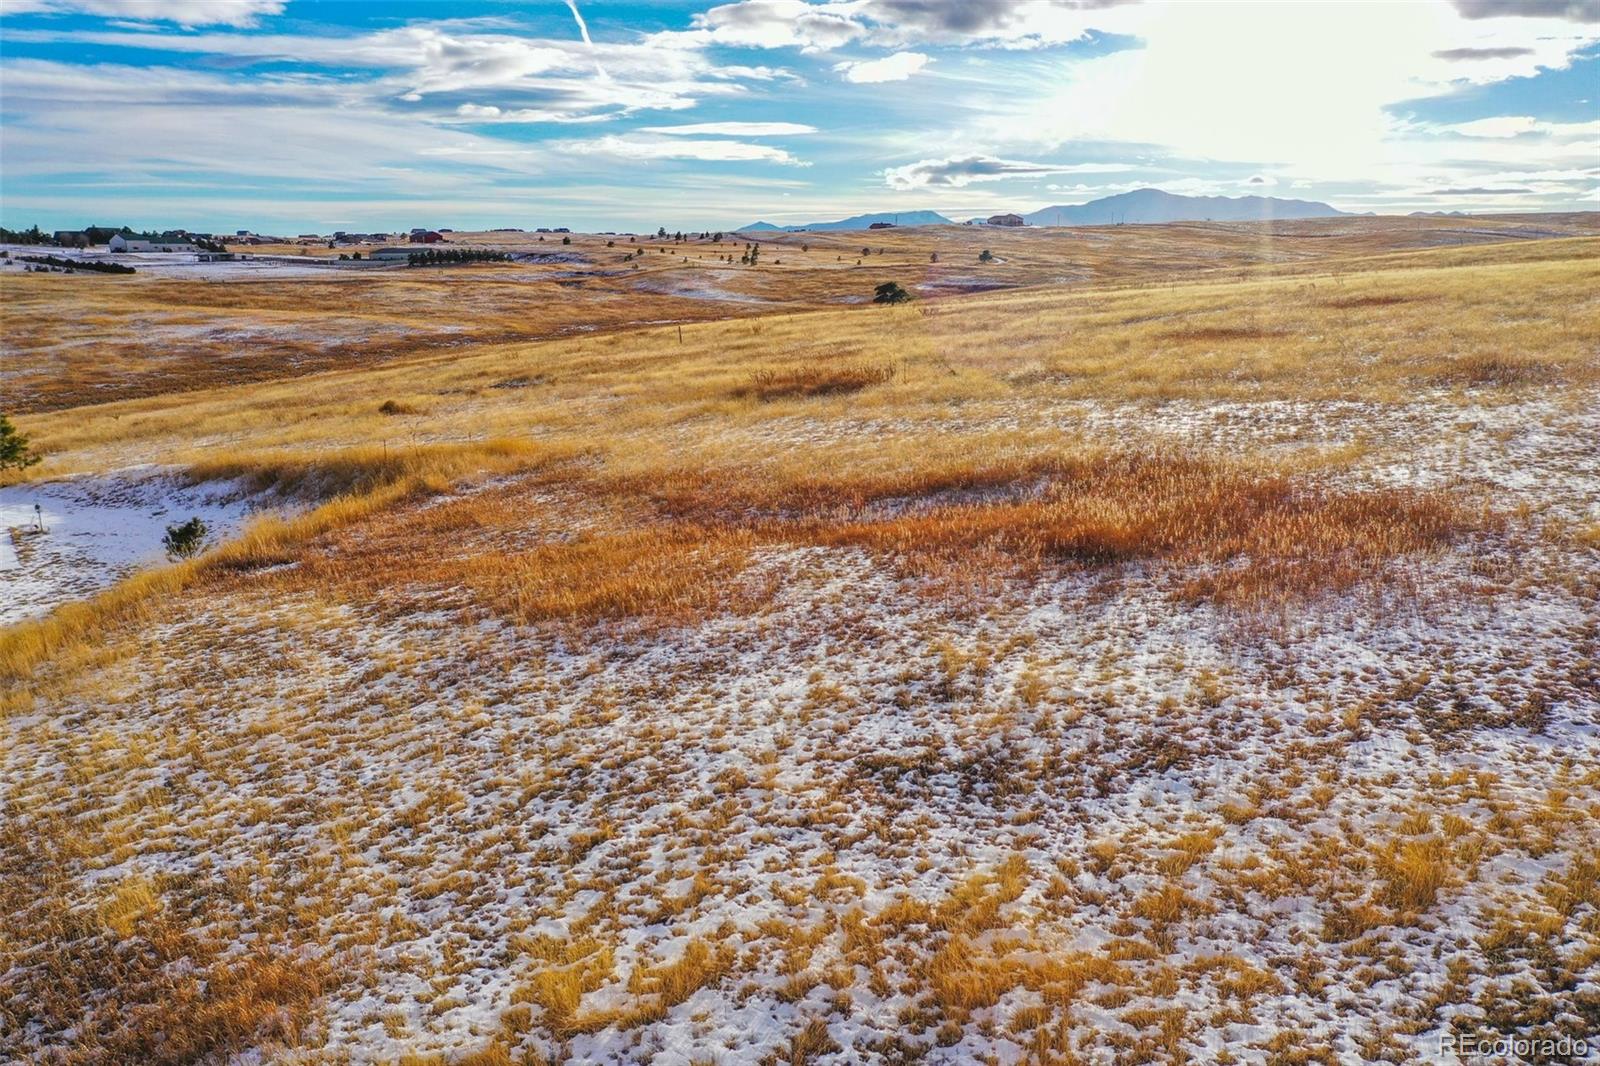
(1194, 661)
(68, 341)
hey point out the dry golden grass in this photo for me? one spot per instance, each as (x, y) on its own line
(635, 402)
(674, 549)
(1413, 872)
(1289, 539)
(90, 339)
(1088, 813)
(1448, 337)
(137, 980)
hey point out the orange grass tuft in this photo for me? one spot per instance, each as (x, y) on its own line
(1247, 533)
(675, 549)
(767, 384)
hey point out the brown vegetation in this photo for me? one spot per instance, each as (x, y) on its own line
(769, 384)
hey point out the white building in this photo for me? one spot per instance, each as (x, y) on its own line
(119, 243)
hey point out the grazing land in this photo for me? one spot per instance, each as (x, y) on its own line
(84, 339)
(1160, 643)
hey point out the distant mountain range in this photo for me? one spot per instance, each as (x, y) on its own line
(898, 218)
(1153, 205)
(1139, 206)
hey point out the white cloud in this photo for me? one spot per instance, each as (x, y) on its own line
(489, 113)
(830, 24)
(182, 12)
(1504, 126)
(990, 23)
(631, 147)
(527, 76)
(1573, 10)
(1508, 126)
(777, 24)
(1475, 54)
(897, 67)
(205, 126)
(732, 129)
(964, 170)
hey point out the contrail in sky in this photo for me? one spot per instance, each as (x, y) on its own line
(583, 28)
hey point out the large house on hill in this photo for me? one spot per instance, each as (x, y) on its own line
(1006, 220)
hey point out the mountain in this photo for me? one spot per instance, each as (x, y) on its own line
(1153, 205)
(1141, 205)
(899, 218)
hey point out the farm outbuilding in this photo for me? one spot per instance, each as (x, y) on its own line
(119, 243)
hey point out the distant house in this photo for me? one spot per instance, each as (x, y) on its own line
(1005, 220)
(72, 238)
(427, 237)
(120, 243)
(881, 225)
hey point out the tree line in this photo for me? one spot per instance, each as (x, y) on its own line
(78, 264)
(437, 257)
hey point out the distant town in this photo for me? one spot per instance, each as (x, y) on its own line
(105, 249)
(127, 239)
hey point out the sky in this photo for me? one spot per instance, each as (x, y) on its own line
(289, 116)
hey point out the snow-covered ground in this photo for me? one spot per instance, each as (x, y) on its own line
(67, 539)
(697, 285)
(1077, 815)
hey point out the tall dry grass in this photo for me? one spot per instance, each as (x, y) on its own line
(1248, 533)
(677, 549)
(770, 383)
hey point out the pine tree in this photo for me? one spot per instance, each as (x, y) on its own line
(14, 451)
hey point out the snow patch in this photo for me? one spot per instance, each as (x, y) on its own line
(67, 539)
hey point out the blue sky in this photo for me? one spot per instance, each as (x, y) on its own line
(298, 115)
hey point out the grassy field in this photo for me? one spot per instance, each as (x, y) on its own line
(1185, 651)
(86, 339)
